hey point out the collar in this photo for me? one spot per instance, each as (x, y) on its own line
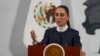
(62, 29)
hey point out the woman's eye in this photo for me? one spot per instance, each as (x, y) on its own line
(61, 14)
(56, 14)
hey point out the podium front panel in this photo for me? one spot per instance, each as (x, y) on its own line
(38, 50)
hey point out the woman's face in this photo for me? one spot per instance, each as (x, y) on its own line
(61, 17)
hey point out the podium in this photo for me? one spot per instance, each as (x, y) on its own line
(38, 50)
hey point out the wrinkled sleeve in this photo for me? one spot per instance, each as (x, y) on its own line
(76, 39)
(45, 40)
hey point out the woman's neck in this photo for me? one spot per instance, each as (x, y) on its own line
(62, 28)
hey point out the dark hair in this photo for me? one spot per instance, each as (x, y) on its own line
(67, 11)
(65, 8)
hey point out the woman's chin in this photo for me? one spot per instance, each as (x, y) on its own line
(60, 25)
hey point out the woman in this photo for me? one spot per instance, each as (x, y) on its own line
(62, 34)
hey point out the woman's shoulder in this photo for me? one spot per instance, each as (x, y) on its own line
(73, 30)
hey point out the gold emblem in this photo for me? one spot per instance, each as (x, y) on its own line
(53, 50)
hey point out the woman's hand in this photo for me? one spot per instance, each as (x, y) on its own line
(33, 36)
(83, 53)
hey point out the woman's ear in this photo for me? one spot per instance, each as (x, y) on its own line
(68, 23)
(68, 18)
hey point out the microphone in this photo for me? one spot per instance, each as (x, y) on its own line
(61, 38)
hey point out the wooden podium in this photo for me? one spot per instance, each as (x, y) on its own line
(38, 50)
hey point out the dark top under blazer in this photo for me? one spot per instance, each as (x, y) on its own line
(70, 37)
